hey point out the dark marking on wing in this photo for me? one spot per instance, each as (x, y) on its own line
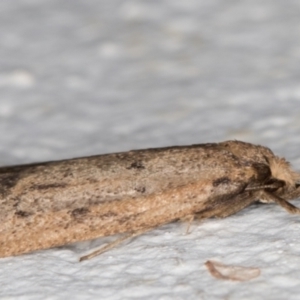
(23, 214)
(79, 212)
(141, 189)
(109, 215)
(221, 180)
(47, 186)
(136, 165)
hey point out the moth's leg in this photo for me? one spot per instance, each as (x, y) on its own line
(113, 244)
(283, 203)
(224, 208)
(189, 219)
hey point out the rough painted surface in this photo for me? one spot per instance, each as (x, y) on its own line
(87, 77)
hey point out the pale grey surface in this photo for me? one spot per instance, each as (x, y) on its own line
(87, 77)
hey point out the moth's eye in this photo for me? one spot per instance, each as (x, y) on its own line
(297, 185)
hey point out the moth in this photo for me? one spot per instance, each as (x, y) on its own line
(51, 204)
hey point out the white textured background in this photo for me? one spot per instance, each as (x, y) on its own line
(85, 77)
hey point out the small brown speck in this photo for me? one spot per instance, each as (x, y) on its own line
(221, 180)
(79, 212)
(23, 214)
(141, 189)
(136, 165)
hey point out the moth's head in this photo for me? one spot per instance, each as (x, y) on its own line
(281, 170)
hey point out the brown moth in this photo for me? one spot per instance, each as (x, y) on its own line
(55, 203)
